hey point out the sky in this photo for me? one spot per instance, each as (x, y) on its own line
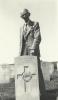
(43, 11)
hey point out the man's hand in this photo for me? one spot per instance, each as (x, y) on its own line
(32, 52)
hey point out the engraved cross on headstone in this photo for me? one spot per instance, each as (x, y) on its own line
(26, 76)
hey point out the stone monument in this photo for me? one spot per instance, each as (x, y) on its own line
(26, 78)
(27, 65)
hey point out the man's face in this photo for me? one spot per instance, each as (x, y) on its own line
(25, 17)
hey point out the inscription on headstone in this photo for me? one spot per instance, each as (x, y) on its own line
(26, 76)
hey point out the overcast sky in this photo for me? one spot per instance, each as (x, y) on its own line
(43, 11)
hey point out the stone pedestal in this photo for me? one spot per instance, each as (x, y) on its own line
(26, 78)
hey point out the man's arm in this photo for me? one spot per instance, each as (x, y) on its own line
(37, 38)
(22, 42)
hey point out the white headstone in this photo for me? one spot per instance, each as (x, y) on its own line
(26, 78)
(57, 98)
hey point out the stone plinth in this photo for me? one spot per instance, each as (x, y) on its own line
(26, 78)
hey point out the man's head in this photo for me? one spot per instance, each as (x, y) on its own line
(25, 14)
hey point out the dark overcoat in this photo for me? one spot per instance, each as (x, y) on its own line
(31, 39)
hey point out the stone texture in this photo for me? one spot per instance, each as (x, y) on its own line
(26, 78)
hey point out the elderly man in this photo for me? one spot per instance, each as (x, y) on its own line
(31, 37)
(30, 40)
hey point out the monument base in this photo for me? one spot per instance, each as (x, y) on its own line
(26, 78)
